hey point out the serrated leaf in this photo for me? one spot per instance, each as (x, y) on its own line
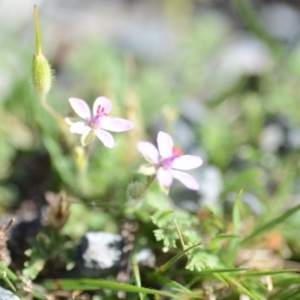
(168, 236)
(33, 267)
(161, 219)
(167, 231)
(200, 260)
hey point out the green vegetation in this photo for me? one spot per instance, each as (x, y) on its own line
(242, 242)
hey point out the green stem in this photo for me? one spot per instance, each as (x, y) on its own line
(149, 182)
(252, 22)
(38, 43)
(49, 109)
(82, 172)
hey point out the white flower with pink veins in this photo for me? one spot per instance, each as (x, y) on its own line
(97, 124)
(166, 160)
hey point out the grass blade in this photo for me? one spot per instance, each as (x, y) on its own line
(169, 263)
(136, 272)
(95, 284)
(271, 224)
(233, 246)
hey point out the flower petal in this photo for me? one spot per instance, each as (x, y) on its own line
(164, 177)
(116, 124)
(147, 169)
(71, 121)
(165, 144)
(105, 104)
(187, 162)
(106, 138)
(186, 179)
(80, 107)
(149, 151)
(79, 128)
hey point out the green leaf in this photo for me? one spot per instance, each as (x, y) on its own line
(200, 260)
(218, 273)
(284, 294)
(167, 231)
(267, 273)
(167, 283)
(136, 272)
(161, 218)
(231, 253)
(7, 281)
(95, 284)
(216, 239)
(33, 267)
(287, 281)
(8, 276)
(241, 288)
(168, 236)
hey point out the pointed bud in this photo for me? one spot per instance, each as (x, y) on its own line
(87, 138)
(41, 75)
(41, 70)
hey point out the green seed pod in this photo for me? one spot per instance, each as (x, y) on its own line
(41, 74)
(41, 70)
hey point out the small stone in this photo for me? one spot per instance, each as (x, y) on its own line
(211, 186)
(293, 138)
(272, 137)
(7, 295)
(99, 253)
(146, 258)
(286, 31)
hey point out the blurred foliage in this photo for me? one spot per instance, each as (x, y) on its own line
(246, 125)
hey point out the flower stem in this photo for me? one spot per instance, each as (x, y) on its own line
(49, 109)
(149, 182)
(38, 44)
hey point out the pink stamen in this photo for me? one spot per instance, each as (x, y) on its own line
(100, 111)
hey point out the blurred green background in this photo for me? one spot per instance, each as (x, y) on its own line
(222, 77)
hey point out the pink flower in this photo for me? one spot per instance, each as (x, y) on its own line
(166, 160)
(97, 124)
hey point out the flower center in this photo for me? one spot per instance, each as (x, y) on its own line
(167, 162)
(95, 121)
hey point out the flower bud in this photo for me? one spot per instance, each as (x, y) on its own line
(136, 190)
(41, 70)
(41, 74)
(87, 138)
